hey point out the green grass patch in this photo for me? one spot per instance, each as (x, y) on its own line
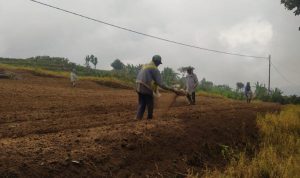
(211, 95)
(279, 150)
(36, 71)
(107, 81)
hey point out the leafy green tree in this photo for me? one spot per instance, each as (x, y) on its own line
(292, 4)
(117, 65)
(169, 76)
(87, 61)
(261, 92)
(183, 70)
(224, 87)
(91, 59)
(132, 70)
(293, 99)
(239, 86)
(94, 60)
(276, 96)
(206, 85)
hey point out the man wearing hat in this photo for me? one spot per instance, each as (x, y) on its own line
(147, 81)
(191, 85)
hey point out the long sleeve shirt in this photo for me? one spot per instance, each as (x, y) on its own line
(73, 77)
(191, 83)
(147, 78)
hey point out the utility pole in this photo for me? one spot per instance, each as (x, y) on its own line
(269, 89)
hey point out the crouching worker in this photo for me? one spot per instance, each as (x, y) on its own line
(73, 78)
(191, 85)
(148, 79)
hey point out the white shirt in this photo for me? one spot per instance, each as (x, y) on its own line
(73, 77)
(191, 82)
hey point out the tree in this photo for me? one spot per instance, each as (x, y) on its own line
(261, 92)
(91, 59)
(117, 65)
(87, 61)
(206, 85)
(132, 70)
(292, 4)
(276, 96)
(94, 60)
(239, 86)
(183, 70)
(169, 76)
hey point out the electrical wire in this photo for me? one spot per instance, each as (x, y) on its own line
(164, 39)
(278, 71)
(148, 35)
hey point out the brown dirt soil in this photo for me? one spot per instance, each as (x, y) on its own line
(49, 129)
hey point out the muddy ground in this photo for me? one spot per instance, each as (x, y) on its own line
(49, 129)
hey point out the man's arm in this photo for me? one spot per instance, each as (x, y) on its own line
(157, 79)
(196, 81)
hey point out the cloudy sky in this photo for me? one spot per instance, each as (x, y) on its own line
(259, 28)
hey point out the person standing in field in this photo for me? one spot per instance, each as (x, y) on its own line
(73, 78)
(248, 92)
(148, 79)
(191, 85)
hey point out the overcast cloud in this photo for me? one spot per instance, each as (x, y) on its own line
(259, 28)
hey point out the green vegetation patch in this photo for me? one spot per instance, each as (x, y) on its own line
(106, 81)
(279, 149)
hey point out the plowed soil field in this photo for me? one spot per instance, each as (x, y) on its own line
(49, 129)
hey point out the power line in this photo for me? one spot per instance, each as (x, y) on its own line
(163, 39)
(278, 71)
(148, 35)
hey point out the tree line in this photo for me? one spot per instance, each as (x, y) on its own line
(128, 73)
(171, 77)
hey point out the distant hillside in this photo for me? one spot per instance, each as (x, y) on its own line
(127, 74)
(63, 64)
(49, 63)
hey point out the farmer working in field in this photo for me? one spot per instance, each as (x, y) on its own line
(191, 85)
(73, 77)
(147, 81)
(248, 92)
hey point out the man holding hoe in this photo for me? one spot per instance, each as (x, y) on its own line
(148, 79)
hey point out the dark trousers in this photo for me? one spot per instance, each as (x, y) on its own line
(145, 100)
(192, 98)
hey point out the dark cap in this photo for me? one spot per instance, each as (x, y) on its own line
(190, 68)
(157, 59)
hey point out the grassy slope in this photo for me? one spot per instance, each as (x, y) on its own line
(110, 81)
(279, 151)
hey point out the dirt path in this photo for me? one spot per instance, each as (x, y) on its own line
(45, 125)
